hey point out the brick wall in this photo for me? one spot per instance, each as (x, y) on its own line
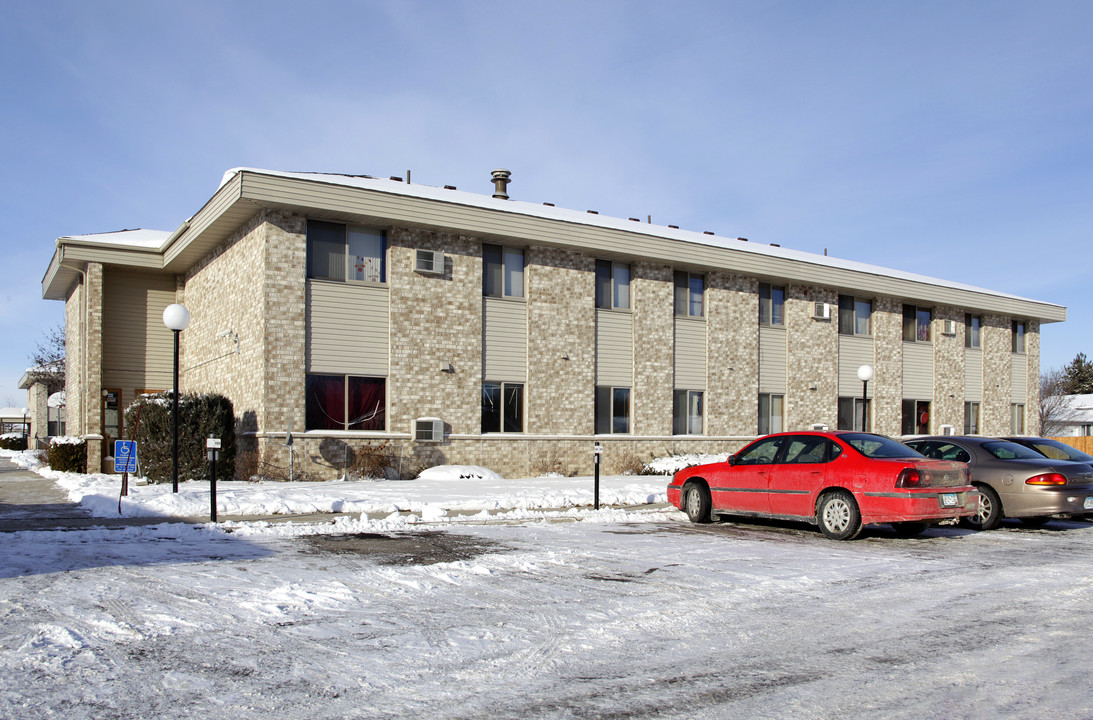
(887, 386)
(732, 365)
(561, 342)
(947, 407)
(995, 338)
(812, 389)
(651, 296)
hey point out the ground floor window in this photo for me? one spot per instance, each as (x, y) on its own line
(687, 412)
(971, 418)
(771, 413)
(345, 402)
(1017, 419)
(612, 410)
(853, 414)
(916, 417)
(502, 407)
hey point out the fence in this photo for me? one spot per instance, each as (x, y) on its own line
(1081, 442)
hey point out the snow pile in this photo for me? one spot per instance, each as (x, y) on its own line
(674, 463)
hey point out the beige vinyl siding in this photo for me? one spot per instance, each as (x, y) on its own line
(137, 348)
(690, 353)
(614, 348)
(504, 340)
(973, 375)
(347, 328)
(1019, 378)
(853, 353)
(918, 370)
(772, 360)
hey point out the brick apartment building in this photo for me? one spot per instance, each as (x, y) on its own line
(461, 328)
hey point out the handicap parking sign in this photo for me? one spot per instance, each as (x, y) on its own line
(125, 456)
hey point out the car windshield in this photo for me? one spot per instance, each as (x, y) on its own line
(1005, 450)
(1059, 451)
(878, 446)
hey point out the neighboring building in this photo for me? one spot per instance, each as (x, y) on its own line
(45, 410)
(467, 329)
(1074, 415)
(14, 420)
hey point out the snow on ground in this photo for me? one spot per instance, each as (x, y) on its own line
(622, 614)
(440, 492)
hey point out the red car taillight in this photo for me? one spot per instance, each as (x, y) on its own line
(1047, 479)
(909, 477)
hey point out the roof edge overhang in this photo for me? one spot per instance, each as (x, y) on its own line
(246, 191)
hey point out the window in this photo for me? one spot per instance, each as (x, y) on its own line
(916, 324)
(851, 415)
(612, 410)
(971, 418)
(339, 252)
(502, 407)
(855, 315)
(612, 285)
(916, 417)
(760, 453)
(687, 412)
(1017, 419)
(772, 304)
(972, 325)
(690, 289)
(808, 449)
(771, 413)
(1018, 337)
(345, 402)
(503, 271)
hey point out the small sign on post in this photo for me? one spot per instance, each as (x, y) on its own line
(125, 456)
(212, 446)
(597, 451)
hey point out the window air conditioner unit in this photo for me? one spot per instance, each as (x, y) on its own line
(948, 430)
(821, 311)
(428, 430)
(819, 427)
(948, 327)
(429, 262)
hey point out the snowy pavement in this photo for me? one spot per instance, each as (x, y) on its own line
(615, 614)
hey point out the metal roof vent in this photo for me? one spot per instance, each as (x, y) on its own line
(501, 184)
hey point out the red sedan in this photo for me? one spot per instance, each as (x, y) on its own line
(838, 480)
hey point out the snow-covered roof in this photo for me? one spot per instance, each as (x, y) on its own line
(549, 212)
(140, 237)
(14, 413)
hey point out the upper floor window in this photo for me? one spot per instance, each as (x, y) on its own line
(972, 325)
(503, 271)
(336, 251)
(690, 289)
(612, 285)
(916, 323)
(1018, 341)
(855, 315)
(772, 304)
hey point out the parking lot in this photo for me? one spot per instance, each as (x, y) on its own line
(658, 618)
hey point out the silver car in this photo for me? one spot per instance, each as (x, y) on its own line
(1014, 480)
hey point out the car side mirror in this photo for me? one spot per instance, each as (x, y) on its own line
(732, 460)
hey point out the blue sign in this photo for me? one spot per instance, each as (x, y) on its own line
(125, 456)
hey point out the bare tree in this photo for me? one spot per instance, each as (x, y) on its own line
(1056, 410)
(48, 360)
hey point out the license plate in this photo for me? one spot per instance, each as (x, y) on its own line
(1088, 503)
(953, 499)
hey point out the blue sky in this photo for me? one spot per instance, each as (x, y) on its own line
(951, 139)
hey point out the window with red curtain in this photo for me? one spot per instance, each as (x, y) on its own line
(367, 400)
(329, 397)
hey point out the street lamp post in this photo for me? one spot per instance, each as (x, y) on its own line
(26, 429)
(176, 317)
(865, 374)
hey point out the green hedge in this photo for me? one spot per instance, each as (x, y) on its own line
(199, 416)
(13, 441)
(67, 455)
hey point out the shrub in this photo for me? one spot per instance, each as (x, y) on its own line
(67, 454)
(372, 461)
(13, 441)
(199, 417)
